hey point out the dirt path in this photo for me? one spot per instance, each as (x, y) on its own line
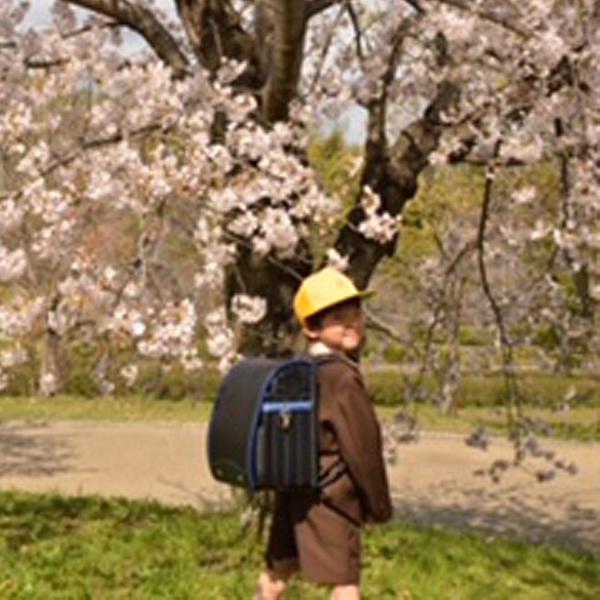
(432, 482)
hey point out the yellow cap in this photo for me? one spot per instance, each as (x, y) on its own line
(323, 289)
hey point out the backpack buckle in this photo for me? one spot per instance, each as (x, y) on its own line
(285, 419)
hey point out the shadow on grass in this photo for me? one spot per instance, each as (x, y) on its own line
(202, 500)
(30, 451)
(506, 513)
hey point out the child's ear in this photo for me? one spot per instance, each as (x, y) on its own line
(311, 333)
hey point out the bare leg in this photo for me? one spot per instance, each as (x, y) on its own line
(271, 586)
(345, 592)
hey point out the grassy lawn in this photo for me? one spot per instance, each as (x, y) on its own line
(111, 409)
(481, 404)
(580, 423)
(58, 548)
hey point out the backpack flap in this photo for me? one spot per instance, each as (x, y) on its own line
(263, 432)
(287, 433)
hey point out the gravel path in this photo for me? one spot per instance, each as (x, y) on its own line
(433, 480)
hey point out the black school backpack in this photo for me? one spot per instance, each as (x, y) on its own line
(263, 431)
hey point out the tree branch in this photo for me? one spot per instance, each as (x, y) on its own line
(508, 363)
(356, 26)
(93, 144)
(144, 22)
(416, 6)
(489, 14)
(44, 65)
(215, 32)
(289, 29)
(391, 172)
(314, 7)
(325, 49)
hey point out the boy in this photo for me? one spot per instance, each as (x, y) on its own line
(318, 532)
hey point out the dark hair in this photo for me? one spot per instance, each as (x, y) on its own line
(316, 321)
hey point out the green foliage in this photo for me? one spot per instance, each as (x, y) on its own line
(82, 359)
(386, 387)
(420, 332)
(336, 166)
(54, 547)
(394, 353)
(444, 196)
(469, 335)
(23, 378)
(446, 192)
(175, 383)
(547, 338)
(156, 380)
(390, 387)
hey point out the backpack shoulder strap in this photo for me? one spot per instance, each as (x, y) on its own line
(322, 359)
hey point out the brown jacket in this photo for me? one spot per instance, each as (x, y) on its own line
(351, 462)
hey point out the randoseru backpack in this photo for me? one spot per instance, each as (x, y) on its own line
(263, 431)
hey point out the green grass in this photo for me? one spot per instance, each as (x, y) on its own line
(87, 548)
(480, 404)
(582, 424)
(110, 409)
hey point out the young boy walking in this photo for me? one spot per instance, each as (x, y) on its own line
(318, 532)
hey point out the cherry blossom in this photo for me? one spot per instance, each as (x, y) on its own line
(112, 171)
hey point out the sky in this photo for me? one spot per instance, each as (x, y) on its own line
(352, 123)
(38, 13)
(39, 16)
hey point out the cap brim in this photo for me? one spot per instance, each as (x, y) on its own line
(360, 295)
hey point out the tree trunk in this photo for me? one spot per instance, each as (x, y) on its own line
(53, 356)
(392, 173)
(277, 282)
(286, 26)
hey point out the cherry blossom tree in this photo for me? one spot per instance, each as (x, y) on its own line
(204, 139)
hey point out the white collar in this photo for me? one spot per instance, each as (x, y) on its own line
(319, 348)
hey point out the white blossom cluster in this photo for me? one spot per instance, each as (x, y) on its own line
(12, 264)
(47, 383)
(248, 309)
(101, 155)
(129, 321)
(270, 202)
(527, 74)
(19, 316)
(101, 152)
(129, 373)
(171, 334)
(13, 357)
(337, 260)
(528, 78)
(379, 226)
(221, 339)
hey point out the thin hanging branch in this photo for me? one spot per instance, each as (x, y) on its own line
(508, 363)
(438, 315)
(325, 49)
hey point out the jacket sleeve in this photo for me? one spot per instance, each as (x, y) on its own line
(359, 438)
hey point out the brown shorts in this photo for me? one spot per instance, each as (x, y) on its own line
(308, 535)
